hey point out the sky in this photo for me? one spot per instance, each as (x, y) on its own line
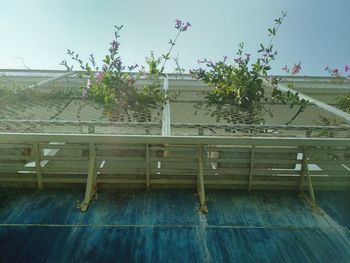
(37, 33)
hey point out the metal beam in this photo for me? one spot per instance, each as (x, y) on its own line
(90, 190)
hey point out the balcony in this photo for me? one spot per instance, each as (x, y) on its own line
(272, 185)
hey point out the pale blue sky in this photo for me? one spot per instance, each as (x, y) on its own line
(39, 31)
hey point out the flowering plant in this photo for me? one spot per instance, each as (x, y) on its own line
(114, 89)
(239, 85)
(336, 73)
(344, 102)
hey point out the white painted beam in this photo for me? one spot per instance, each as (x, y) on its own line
(90, 190)
(320, 104)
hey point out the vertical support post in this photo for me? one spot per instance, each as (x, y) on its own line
(302, 172)
(90, 190)
(148, 167)
(311, 188)
(91, 128)
(38, 166)
(200, 182)
(200, 131)
(166, 125)
(251, 168)
(305, 169)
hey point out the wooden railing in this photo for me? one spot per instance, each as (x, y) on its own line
(198, 162)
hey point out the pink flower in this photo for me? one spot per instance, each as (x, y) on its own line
(296, 68)
(335, 72)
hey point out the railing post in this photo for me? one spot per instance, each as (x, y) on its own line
(90, 190)
(200, 182)
(302, 172)
(251, 169)
(148, 167)
(305, 171)
(166, 124)
(311, 188)
(38, 166)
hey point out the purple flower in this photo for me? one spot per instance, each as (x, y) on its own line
(184, 28)
(346, 69)
(239, 61)
(105, 67)
(84, 94)
(225, 58)
(178, 23)
(115, 44)
(285, 68)
(181, 25)
(118, 63)
(98, 76)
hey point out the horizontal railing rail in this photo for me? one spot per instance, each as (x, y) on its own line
(154, 139)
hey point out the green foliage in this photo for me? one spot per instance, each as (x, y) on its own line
(344, 103)
(235, 86)
(240, 85)
(114, 89)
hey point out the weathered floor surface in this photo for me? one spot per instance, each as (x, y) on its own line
(165, 226)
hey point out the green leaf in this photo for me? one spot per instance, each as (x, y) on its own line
(107, 60)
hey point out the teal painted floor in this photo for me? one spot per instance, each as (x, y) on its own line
(165, 226)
